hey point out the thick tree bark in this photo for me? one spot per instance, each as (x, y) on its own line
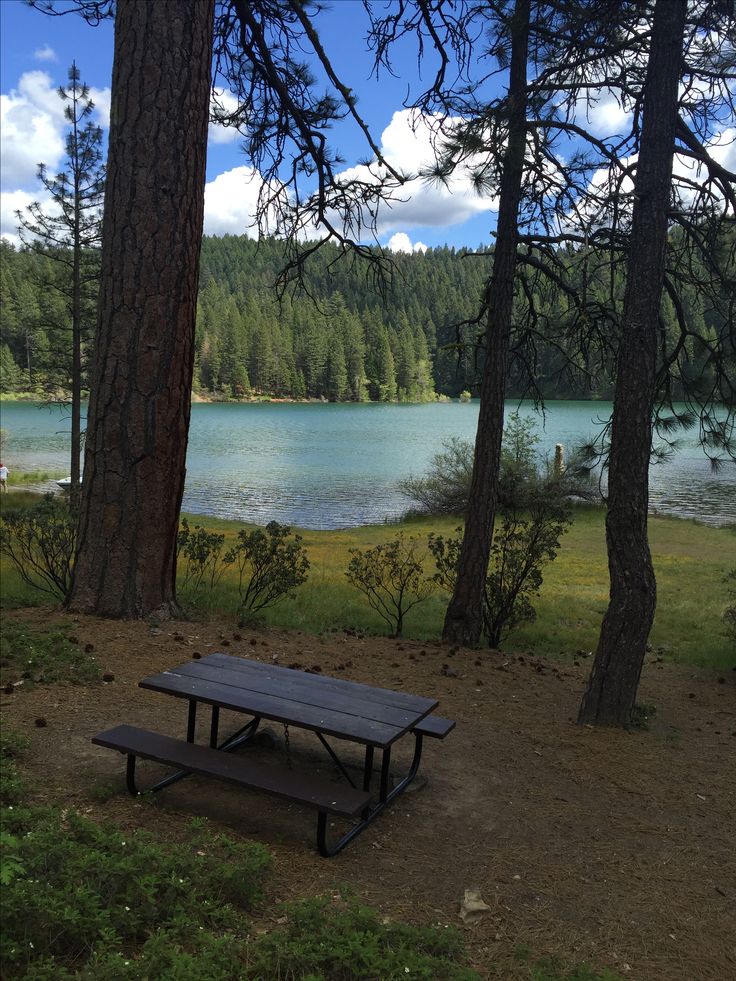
(140, 396)
(611, 691)
(464, 617)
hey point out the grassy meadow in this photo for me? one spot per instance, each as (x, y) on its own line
(691, 561)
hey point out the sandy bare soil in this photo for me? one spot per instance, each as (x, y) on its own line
(612, 847)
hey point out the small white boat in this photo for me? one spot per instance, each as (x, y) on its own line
(65, 483)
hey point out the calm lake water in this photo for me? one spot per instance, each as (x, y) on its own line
(334, 466)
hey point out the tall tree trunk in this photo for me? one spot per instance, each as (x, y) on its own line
(614, 679)
(76, 420)
(139, 408)
(464, 617)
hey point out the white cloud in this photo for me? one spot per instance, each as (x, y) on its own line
(223, 103)
(407, 145)
(694, 175)
(723, 148)
(231, 198)
(400, 242)
(230, 202)
(10, 202)
(31, 128)
(101, 99)
(46, 53)
(603, 114)
(688, 178)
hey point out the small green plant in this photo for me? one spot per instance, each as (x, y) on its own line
(270, 567)
(39, 541)
(552, 969)
(42, 655)
(641, 714)
(12, 745)
(392, 578)
(202, 555)
(350, 942)
(444, 488)
(85, 901)
(10, 865)
(525, 542)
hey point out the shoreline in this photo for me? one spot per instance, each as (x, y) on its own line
(199, 398)
(50, 486)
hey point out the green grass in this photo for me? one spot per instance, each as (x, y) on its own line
(42, 655)
(691, 561)
(85, 901)
(20, 477)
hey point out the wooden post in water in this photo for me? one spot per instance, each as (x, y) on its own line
(559, 465)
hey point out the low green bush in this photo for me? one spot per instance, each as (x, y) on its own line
(271, 564)
(267, 565)
(83, 902)
(525, 539)
(86, 894)
(12, 787)
(321, 943)
(391, 576)
(39, 541)
(445, 486)
(200, 557)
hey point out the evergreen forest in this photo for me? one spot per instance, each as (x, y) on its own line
(415, 337)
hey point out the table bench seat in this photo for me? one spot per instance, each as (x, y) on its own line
(434, 726)
(313, 791)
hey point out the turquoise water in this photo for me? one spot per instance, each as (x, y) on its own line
(333, 466)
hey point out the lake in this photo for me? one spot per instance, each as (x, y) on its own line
(334, 466)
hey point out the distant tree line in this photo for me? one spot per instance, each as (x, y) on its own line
(344, 342)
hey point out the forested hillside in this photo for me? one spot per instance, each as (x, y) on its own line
(345, 341)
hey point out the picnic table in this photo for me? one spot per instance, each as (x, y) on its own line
(373, 718)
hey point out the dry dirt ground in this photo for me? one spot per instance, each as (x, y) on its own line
(611, 847)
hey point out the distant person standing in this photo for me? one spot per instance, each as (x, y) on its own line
(3, 477)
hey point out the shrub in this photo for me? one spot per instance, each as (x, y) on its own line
(269, 566)
(351, 942)
(527, 539)
(201, 551)
(39, 541)
(11, 784)
(445, 487)
(86, 893)
(392, 578)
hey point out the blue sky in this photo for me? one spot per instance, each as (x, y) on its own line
(37, 51)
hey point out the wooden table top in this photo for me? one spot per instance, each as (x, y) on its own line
(333, 706)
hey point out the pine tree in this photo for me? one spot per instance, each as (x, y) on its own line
(68, 231)
(140, 396)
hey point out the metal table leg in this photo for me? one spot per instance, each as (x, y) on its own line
(385, 799)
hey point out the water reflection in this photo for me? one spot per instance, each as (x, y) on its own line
(332, 466)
